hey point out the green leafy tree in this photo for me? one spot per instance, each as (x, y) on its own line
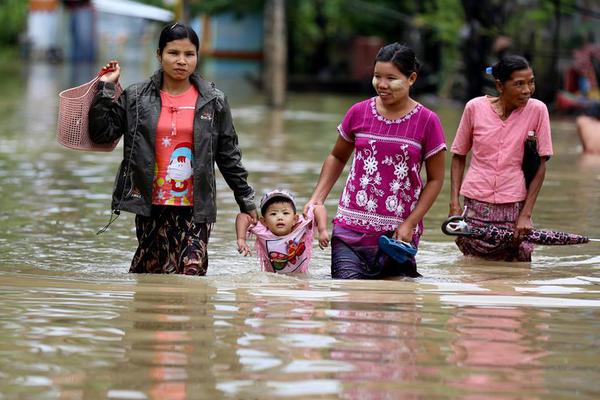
(13, 17)
(460, 32)
(321, 31)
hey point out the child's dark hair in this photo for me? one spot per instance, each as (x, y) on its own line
(504, 68)
(177, 31)
(402, 56)
(276, 199)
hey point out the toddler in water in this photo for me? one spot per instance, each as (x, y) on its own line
(283, 238)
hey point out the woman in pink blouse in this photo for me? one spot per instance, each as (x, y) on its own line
(391, 136)
(494, 130)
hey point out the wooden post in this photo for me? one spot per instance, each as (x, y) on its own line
(275, 53)
(182, 11)
(185, 13)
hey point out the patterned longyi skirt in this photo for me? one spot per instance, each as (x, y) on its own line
(481, 214)
(170, 242)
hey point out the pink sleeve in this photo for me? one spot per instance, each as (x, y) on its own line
(464, 134)
(310, 213)
(433, 139)
(345, 128)
(543, 134)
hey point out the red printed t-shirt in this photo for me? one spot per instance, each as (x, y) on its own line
(173, 171)
(495, 174)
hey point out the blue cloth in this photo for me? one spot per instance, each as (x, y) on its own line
(356, 255)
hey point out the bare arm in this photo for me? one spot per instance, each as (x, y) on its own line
(242, 223)
(435, 167)
(457, 171)
(524, 224)
(331, 171)
(321, 223)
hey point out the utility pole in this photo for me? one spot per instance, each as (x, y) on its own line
(275, 53)
(182, 11)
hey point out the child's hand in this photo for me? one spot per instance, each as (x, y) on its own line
(323, 239)
(243, 248)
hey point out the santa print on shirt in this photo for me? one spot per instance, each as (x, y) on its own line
(173, 178)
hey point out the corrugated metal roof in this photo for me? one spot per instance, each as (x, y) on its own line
(133, 9)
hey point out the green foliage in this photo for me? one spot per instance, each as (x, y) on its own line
(445, 19)
(157, 3)
(212, 7)
(321, 31)
(13, 18)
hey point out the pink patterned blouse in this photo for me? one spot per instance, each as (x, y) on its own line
(384, 182)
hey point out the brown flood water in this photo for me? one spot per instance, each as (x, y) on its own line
(75, 325)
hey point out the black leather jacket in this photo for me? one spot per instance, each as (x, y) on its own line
(135, 115)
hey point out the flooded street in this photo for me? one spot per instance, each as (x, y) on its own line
(74, 324)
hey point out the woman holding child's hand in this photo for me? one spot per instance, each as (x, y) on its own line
(391, 136)
(176, 128)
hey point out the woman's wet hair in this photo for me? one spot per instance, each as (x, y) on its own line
(402, 56)
(177, 31)
(504, 68)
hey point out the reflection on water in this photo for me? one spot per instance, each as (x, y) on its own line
(76, 325)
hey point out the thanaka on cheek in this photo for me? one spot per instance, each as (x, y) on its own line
(398, 84)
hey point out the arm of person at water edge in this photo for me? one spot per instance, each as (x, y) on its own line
(435, 167)
(242, 223)
(331, 171)
(463, 141)
(320, 213)
(229, 160)
(524, 224)
(106, 117)
(457, 171)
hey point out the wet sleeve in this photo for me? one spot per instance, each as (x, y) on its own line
(229, 161)
(433, 138)
(544, 136)
(107, 119)
(345, 128)
(464, 134)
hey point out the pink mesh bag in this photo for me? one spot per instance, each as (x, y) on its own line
(74, 104)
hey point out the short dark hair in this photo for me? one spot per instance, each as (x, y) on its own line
(504, 68)
(276, 199)
(402, 56)
(177, 31)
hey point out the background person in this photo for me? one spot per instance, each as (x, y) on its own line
(176, 127)
(494, 130)
(391, 135)
(588, 128)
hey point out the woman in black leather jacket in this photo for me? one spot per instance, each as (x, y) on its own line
(176, 126)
